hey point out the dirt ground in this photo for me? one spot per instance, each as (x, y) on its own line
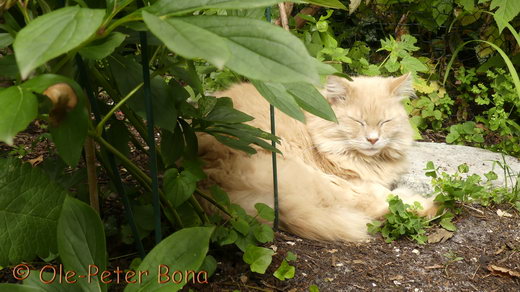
(468, 261)
(482, 255)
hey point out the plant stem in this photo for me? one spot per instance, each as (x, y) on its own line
(90, 161)
(100, 125)
(138, 174)
(212, 201)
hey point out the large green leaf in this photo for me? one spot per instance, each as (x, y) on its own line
(311, 100)
(507, 10)
(128, 74)
(178, 7)
(19, 288)
(328, 3)
(259, 50)
(277, 95)
(34, 281)
(81, 242)
(18, 107)
(53, 34)
(185, 250)
(100, 49)
(30, 205)
(185, 39)
(71, 132)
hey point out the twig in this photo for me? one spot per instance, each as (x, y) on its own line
(474, 209)
(90, 161)
(283, 16)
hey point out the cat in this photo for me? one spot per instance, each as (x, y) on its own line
(334, 178)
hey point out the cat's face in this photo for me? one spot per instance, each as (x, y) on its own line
(371, 118)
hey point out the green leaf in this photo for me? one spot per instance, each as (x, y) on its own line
(185, 250)
(172, 146)
(277, 95)
(240, 225)
(227, 114)
(263, 233)
(311, 100)
(265, 211)
(53, 34)
(30, 205)
(447, 224)
(179, 187)
(260, 50)
(185, 39)
(258, 258)
(101, 49)
(411, 64)
(290, 256)
(178, 7)
(18, 107)
(81, 241)
(34, 281)
(220, 196)
(507, 10)
(71, 132)
(128, 74)
(9, 67)
(314, 288)
(452, 137)
(19, 288)
(5, 40)
(209, 265)
(284, 271)
(328, 3)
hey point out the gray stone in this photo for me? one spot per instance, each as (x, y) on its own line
(448, 158)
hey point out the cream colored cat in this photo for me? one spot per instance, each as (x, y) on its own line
(333, 178)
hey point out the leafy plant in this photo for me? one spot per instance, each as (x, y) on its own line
(402, 220)
(285, 270)
(143, 71)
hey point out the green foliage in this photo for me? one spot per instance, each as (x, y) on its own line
(402, 220)
(81, 242)
(184, 250)
(452, 190)
(30, 212)
(285, 270)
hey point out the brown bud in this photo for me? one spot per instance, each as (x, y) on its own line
(63, 98)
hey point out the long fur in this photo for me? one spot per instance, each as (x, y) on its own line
(334, 178)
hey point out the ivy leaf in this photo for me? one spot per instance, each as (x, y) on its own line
(265, 211)
(258, 258)
(507, 10)
(179, 186)
(263, 233)
(411, 64)
(284, 271)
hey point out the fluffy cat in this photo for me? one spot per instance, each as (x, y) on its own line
(333, 178)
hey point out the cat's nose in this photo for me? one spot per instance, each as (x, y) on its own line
(372, 140)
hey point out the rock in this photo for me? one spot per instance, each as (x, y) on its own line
(448, 158)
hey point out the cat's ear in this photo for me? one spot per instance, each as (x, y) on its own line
(336, 89)
(402, 86)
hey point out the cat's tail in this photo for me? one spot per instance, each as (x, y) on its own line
(330, 224)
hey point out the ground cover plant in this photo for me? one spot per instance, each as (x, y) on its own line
(113, 92)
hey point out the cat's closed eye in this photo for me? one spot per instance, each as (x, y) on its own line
(383, 122)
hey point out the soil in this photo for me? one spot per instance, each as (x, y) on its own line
(482, 255)
(462, 263)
